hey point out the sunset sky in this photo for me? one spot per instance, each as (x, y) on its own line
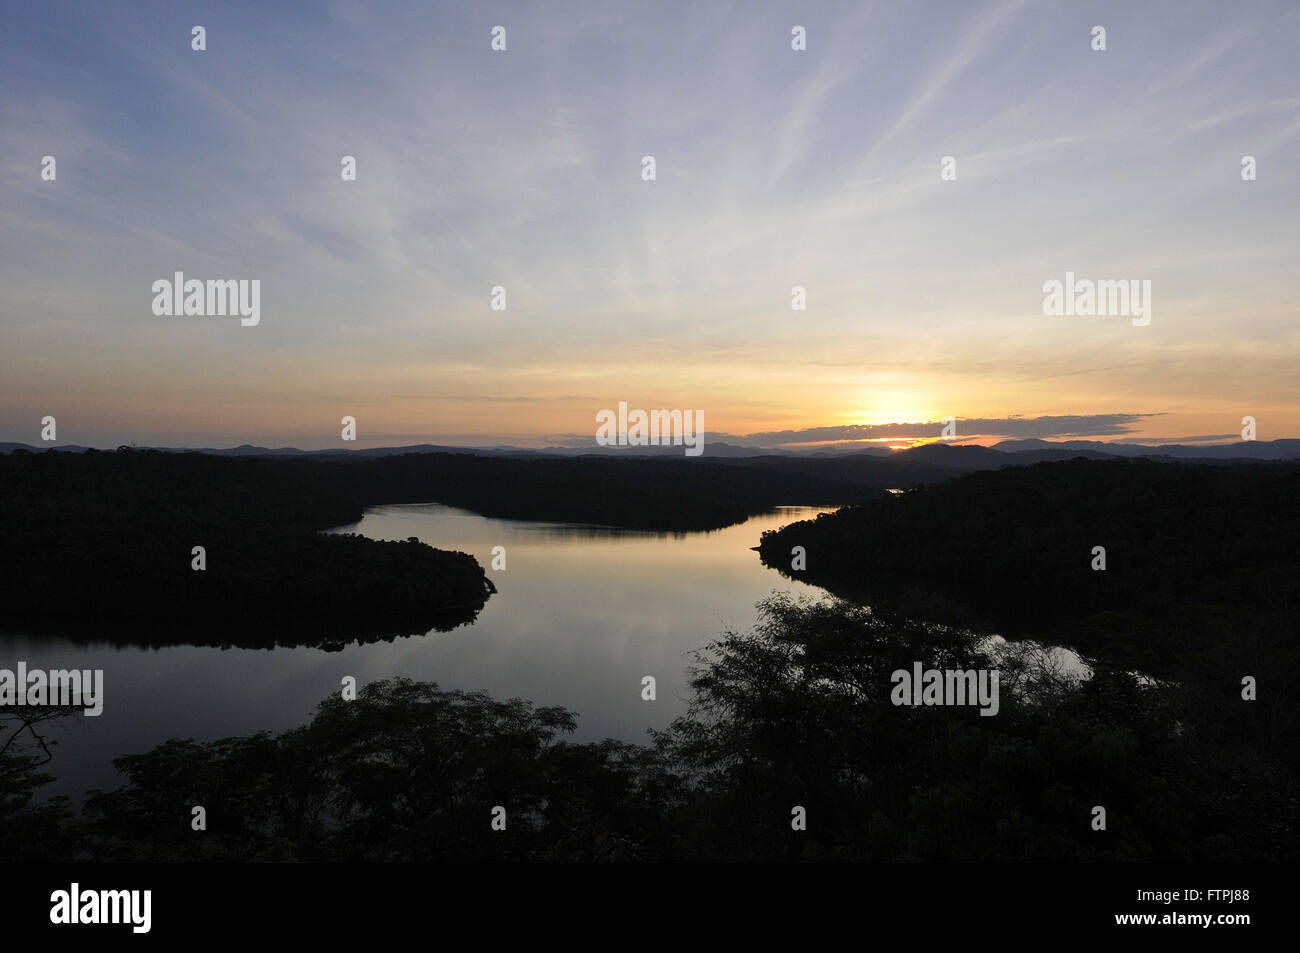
(522, 169)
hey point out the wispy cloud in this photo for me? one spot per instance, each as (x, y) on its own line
(522, 169)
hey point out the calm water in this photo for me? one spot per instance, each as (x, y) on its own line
(580, 616)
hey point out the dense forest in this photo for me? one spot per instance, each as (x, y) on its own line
(100, 544)
(1199, 590)
(793, 714)
(1202, 567)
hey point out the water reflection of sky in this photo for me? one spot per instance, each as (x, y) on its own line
(581, 614)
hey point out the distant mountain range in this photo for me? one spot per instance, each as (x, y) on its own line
(958, 456)
(1238, 450)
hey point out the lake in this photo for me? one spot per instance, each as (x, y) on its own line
(581, 614)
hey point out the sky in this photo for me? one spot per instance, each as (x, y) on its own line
(523, 168)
